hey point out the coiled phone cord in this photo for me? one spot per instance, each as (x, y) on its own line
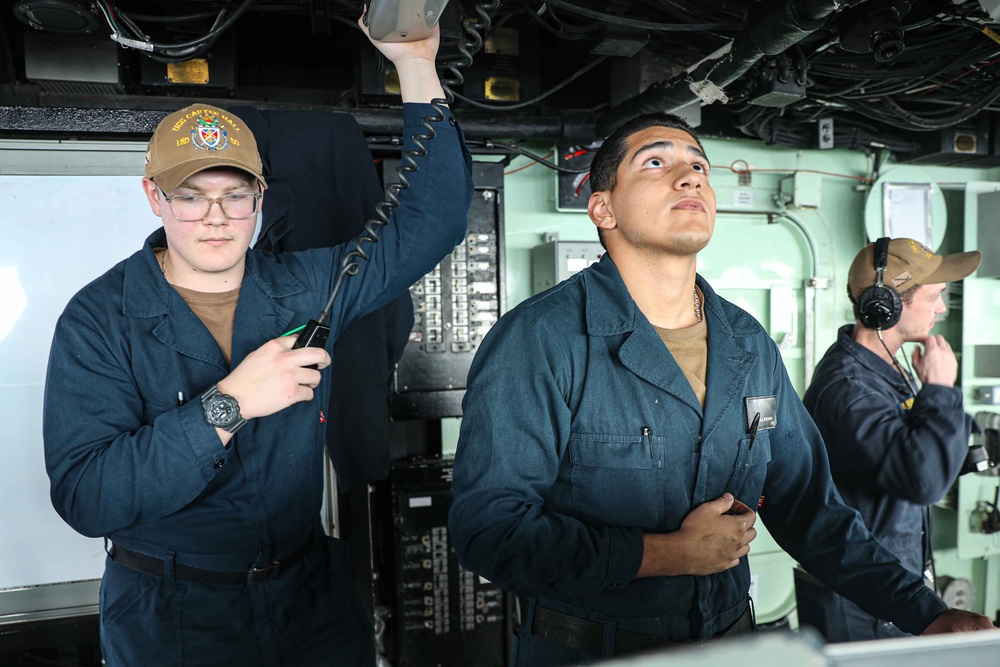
(351, 262)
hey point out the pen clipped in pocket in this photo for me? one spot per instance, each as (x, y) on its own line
(752, 456)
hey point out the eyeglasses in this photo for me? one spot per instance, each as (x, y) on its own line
(191, 208)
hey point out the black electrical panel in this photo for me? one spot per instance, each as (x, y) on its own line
(506, 70)
(974, 143)
(454, 306)
(442, 615)
(573, 186)
(211, 73)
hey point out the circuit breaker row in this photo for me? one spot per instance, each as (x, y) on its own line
(457, 303)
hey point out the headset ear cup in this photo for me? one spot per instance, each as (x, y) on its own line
(879, 307)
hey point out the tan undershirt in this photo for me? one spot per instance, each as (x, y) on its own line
(689, 347)
(216, 310)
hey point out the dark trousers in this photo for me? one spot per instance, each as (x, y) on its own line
(528, 649)
(309, 616)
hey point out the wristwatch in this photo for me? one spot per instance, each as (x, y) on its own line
(222, 410)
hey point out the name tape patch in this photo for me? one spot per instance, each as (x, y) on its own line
(767, 406)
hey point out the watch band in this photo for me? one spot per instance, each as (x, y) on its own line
(222, 410)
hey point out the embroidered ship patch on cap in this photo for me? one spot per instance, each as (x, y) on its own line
(207, 135)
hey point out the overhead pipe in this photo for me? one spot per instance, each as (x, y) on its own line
(769, 31)
(565, 126)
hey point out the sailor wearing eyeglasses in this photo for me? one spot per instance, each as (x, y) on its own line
(210, 508)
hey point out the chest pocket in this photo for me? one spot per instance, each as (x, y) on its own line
(747, 478)
(617, 481)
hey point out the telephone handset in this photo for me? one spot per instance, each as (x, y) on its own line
(402, 20)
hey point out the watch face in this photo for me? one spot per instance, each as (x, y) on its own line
(221, 411)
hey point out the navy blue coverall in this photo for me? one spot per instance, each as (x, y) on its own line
(890, 461)
(126, 462)
(580, 433)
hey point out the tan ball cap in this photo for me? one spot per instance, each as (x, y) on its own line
(909, 264)
(199, 137)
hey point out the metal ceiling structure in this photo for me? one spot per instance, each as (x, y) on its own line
(918, 77)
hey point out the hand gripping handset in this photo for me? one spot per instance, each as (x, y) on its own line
(314, 334)
(402, 20)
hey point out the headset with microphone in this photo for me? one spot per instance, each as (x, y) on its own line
(879, 306)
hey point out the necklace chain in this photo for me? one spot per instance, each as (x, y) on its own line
(163, 267)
